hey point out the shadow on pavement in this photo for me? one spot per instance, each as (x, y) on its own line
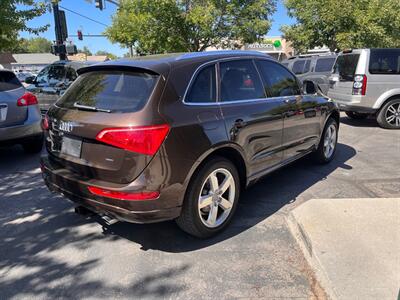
(256, 204)
(369, 122)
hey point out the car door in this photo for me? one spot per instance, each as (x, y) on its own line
(252, 120)
(301, 123)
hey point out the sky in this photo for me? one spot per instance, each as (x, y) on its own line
(87, 8)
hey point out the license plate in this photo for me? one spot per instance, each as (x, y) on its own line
(3, 112)
(71, 146)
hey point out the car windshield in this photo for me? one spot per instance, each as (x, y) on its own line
(52, 73)
(8, 81)
(345, 66)
(110, 90)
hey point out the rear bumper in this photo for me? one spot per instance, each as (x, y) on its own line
(358, 109)
(354, 103)
(63, 181)
(31, 127)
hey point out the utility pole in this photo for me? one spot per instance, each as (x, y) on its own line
(59, 35)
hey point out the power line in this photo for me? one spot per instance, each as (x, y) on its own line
(83, 16)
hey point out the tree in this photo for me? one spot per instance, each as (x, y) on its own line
(108, 54)
(343, 24)
(159, 26)
(33, 45)
(13, 20)
(85, 50)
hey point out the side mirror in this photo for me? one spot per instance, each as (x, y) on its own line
(309, 87)
(30, 79)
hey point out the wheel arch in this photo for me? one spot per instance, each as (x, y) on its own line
(385, 97)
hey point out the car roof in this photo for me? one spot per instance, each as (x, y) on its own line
(162, 63)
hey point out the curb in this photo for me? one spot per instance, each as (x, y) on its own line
(305, 245)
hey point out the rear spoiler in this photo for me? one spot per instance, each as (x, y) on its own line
(114, 67)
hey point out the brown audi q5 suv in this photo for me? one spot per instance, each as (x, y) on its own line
(179, 136)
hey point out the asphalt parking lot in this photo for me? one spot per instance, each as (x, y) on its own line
(48, 251)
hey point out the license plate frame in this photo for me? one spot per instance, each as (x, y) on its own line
(3, 112)
(71, 146)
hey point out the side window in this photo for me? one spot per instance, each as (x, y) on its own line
(203, 88)
(277, 79)
(298, 66)
(384, 61)
(307, 66)
(324, 64)
(240, 81)
(70, 74)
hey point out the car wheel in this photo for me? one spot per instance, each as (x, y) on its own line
(33, 145)
(356, 116)
(211, 199)
(389, 116)
(327, 146)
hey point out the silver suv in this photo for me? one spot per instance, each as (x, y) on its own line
(367, 82)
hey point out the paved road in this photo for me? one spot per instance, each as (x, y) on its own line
(48, 251)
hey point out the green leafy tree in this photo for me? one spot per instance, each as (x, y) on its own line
(160, 26)
(343, 24)
(109, 55)
(33, 45)
(13, 20)
(85, 50)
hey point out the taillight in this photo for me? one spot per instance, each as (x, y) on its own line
(145, 140)
(135, 196)
(360, 85)
(27, 99)
(45, 123)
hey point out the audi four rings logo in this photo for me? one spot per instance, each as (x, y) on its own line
(65, 126)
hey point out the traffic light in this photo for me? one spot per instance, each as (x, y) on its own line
(80, 35)
(99, 4)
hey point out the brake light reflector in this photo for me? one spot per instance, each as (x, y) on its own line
(45, 123)
(145, 140)
(27, 99)
(360, 85)
(137, 196)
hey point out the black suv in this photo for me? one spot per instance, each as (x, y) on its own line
(179, 136)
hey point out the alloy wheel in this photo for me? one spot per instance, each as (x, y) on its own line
(216, 198)
(330, 141)
(393, 114)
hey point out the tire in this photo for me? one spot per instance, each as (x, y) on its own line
(356, 116)
(389, 115)
(321, 154)
(195, 220)
(33, 145)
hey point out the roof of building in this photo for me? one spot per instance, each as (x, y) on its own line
(162, 63)
(83, 57)
(34, 58)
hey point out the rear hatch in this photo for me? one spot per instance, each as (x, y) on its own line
(342, 78)
(10, 90)
(99, 128)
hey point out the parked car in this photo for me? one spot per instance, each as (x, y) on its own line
(19, 115)
(316, 68)
(52, 81)
(367, 82)
(179, 136)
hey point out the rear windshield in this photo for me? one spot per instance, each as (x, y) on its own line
(8, 81)
(384, 61)
(345, 66)
(110, 90)
(324, 64)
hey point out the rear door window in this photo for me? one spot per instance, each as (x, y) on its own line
(240, 81)
(278, 80)
(301, 66)
(203, 89)
(110, 90)
(324, 64)
(346, 66)
(384, 61)
(8, 81)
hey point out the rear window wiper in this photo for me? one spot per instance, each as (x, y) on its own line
(91, 108)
